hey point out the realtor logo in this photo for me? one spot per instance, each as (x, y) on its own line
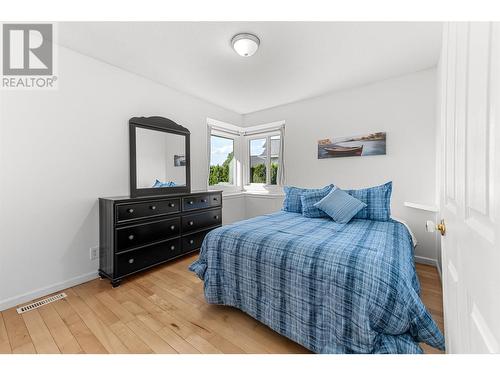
(27, 49)
(28, 56)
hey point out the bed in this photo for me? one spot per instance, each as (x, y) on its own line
(333, 288)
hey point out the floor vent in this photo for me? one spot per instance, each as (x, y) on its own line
(37, 304)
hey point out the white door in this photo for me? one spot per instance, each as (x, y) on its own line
(470, 186)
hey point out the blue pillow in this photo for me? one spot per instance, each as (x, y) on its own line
(292, 202)
(159, 184)
(340, 206)
(308, 200)
(378, 202)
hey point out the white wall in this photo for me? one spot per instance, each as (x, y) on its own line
(60, 151)
(256, 205)
(403, 107)
(233, 208)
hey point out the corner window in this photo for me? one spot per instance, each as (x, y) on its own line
(245, 158)
(222, 161)
(264, 160)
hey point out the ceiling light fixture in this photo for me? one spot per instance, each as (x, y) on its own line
(245, 44)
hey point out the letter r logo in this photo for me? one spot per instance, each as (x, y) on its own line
(27, 49)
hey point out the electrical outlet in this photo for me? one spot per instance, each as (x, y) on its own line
(94, 252)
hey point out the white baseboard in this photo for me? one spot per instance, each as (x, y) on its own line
(14, 301)
(425, 260)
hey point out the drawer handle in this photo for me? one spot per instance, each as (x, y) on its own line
(152, 207)
(131, 260)
(172, 227)
(171, 205)
(130, 210)
(131, 237)
(172, 247)
(203, 201)
(190, 202)
(216, 217)
(191, 222)
(215, 198)
(191, 242)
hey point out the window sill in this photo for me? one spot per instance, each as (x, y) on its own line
(265, 194)
(262, 189)
(232, 194)
(423, 207)
(237, 194)
(224, 188)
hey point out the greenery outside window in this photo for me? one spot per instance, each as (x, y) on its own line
(264, 159)
(222, 161)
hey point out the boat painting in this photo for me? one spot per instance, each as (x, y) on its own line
(362, 145)
(338, 151)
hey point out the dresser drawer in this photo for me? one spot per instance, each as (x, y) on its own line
(215, 199)
(134, 211)
(193, 241)
(138, 235)
(202, 220)
(136, 260)
(196, 202)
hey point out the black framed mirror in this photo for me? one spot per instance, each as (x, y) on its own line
(159, 157)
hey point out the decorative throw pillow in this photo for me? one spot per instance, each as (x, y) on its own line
(292, 202)
(378, 202)
(340, 206)
(309, 200)
(159, 184)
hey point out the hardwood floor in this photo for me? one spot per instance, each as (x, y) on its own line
(160, 311)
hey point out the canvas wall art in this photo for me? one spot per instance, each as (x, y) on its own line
(360, 145)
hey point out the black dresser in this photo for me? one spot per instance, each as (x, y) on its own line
(139, 233)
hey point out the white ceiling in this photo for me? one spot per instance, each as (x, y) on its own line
(295, 61)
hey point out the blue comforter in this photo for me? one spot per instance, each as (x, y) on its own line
(333, 288)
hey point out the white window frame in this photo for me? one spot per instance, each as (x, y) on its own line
(228, 131)
(267, 136)
(258, 132)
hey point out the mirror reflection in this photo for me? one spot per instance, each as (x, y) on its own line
(160, 159)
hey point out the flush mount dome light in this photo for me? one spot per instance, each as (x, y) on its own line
(245, 44)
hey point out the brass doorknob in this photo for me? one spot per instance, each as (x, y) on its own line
(441, 227)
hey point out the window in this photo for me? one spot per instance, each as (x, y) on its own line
(222, 161)
(249, 158)
(264, 160)
(258, 161)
